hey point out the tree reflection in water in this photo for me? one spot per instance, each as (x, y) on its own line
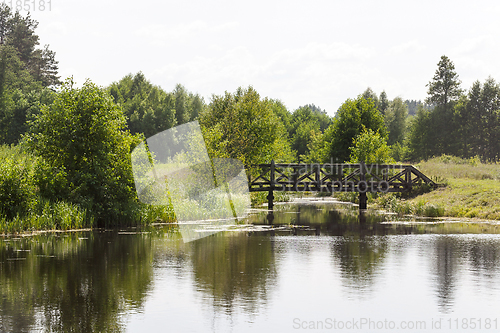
(447, 258)
(484, 256)
(478, 255)
(79, 282)
(235, 269)
(92, 281)
(360, 259)
(361, 249)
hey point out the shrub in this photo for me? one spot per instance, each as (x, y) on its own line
(82, 139)
(21, 205)
(17, 188)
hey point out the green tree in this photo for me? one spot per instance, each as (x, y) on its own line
(352, 118)
(443, 93)
(243, 126)
(44, 67)
(370, 94)
(148, 108)
(383, 102)
(26, 73)
(418, 143)
(82, 136)
(282, 112)
(395, 120)
(304, 125)
(480, 110)
(24, 107)
(472, 119)
(196, 105)
(21, 35)
(322, 117)
(371, 148)
(181, 104)
(18, 32)
(490, 102)
(412, 106)
(445, 85)
(5, 20)
(317, 148)
(20, 96)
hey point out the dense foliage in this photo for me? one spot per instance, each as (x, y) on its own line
(82, 138)
(371, 148)
(352, 118)
(242, 125)
(149, 109)
(27, 74)
(458, 123)
(22, 207)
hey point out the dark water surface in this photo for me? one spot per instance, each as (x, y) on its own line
(318, 269)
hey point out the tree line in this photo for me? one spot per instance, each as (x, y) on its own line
(82, 137)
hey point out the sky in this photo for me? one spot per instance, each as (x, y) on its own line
(300, 52)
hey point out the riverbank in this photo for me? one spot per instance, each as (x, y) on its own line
(472, 190)
(28, 201)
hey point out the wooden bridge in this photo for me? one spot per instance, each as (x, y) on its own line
(337, 177)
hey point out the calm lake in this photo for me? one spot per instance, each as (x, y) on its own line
(317, 268)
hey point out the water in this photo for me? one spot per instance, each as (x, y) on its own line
(327, 272)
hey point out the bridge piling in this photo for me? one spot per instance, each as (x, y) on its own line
(270, 201)
(272, 180)
(362, 200)
(270, 195)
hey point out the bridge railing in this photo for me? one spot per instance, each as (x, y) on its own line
(337, 177)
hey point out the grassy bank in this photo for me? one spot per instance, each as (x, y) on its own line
(24, 208)
(472, 190)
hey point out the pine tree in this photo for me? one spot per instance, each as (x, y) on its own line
(445, 85)
(383, 102)
(443, 93)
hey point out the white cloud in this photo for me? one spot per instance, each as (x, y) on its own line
(297, 75)
(164, 34)
(322, 52)
(406, 47)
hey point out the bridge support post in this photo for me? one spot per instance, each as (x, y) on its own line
(270, 196)
(362, 195)
(362, 200)
(272, 179)
(270, 201)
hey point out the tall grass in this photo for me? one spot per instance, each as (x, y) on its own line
(22, 208)
(51, 216)
(161, 213)
(420, 206)
(472, 191)
(446, 167)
